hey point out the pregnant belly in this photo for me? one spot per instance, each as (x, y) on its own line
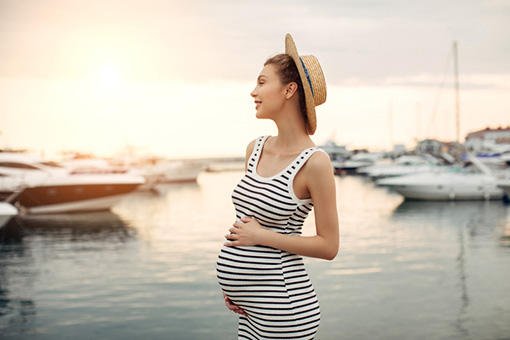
(250, 273)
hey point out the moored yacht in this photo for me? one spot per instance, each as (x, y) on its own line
(176, 171)
(157, 170)
(356, 162)
(468, 183)
(49, 188)
(404, 165)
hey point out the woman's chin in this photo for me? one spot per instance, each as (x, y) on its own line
(260, 115)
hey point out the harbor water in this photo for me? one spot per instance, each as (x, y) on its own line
(405, 270)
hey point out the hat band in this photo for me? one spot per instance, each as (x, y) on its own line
(307, 75)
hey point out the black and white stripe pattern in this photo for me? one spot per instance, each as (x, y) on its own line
(271, 285)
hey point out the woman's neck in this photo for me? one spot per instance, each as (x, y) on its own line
(292, 137)
(292, 134)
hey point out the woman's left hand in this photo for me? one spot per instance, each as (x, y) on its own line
(248, 232)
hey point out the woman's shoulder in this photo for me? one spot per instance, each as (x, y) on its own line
(250, 147)
(319, 172)
(319, 163)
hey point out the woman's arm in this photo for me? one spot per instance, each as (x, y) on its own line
(320, 183)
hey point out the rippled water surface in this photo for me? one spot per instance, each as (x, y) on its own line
(406, 270)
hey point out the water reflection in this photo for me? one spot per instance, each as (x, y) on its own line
(476, 225)
(78, 226)
(464, 295)
(35, 246)
(15, 311)
(436, 270)
(505, 230)
(479, 218)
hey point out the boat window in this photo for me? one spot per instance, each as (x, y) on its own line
(18, 165)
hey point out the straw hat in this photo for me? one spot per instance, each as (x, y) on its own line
(312, 78)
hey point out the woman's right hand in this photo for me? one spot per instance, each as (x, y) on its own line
(233, 307)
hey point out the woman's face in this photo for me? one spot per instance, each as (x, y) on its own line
(269, 94)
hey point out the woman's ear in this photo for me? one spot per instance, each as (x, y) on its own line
(290, 89)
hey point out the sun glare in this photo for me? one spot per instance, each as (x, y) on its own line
(109, 78)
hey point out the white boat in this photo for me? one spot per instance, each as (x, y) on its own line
(453, 184)
(404, 165)
(225, 165)
(49, 188)
(178, 171)
(92, 165)
(89, 165)
(356, 162)
(157, 170)
(7, 211)
(154, 170)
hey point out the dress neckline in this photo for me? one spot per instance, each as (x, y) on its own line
(257, 161)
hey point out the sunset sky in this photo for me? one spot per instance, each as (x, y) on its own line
(173, 78)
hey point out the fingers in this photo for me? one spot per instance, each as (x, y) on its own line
(242, 312)
(231, 236)
(233, 239)
(233, 307)
(229, 303)
(243, 221)
(232, 243)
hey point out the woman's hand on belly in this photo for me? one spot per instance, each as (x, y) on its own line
(248, 232)
(233, 307)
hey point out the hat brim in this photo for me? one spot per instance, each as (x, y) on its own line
(291, 50)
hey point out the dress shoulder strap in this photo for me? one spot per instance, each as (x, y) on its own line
(255, 154)
(294, 168)
(300, 161)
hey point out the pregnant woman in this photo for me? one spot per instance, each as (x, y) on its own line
(260, 268)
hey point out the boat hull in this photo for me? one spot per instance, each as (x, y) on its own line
(441, 193)
(73, 198)
(96, 204)
(505, 186)
(445, 187)
(7, 211)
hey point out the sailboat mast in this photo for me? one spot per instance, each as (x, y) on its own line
(457, 105)
(390, 123)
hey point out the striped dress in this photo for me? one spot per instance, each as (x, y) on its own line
(270, 285)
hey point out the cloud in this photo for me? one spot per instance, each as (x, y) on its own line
(373, 41)
(467, 82)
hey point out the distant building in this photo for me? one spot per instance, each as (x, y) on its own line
(454, 149)
(430, 146)
(488, 140)
(336, 152)
(438, 148)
